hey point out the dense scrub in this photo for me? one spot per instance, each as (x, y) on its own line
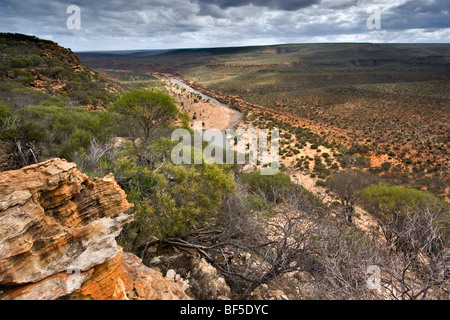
(49, 68)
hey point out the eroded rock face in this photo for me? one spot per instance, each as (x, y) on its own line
(52, 217)
(57, 239)
(150, 284)
(125, 278)
(205, 283)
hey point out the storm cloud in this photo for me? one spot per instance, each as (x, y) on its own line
(161, 24)
(289, 5)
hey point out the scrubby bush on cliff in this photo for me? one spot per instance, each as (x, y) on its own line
(416, 229)
(389, 202)
(60, 131)
(274, 188)
(169, 200)
(8, 123)
(345, 184)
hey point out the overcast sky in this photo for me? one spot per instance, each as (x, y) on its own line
(163, 24)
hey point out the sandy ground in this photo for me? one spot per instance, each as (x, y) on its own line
(219, 118)
(214, 116)
(362, 219)
(377, 161)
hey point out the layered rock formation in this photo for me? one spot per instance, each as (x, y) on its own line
(205, 283)
(57, 238)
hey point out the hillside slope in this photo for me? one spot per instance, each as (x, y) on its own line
(42, 65)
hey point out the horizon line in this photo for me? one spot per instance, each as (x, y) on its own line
(263, 45)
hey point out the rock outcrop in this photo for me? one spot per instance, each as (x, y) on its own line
(57, 238)
(205, 283)
(124, 277)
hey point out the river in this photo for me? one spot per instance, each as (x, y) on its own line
(234, 119)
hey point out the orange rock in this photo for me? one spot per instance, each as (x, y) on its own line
(52, 218)
(108, 282)
(149, 284)
(51, 288)
(124, 277)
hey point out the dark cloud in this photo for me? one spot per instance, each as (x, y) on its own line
(288, 5)
(418, 14)
(159, 24)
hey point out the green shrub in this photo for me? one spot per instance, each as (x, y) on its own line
(34, 131)
(20, 62)
(172, 200)
(64, 130)
(22, 77)
(35, 60)
(80, 138)
(8, 125)
(387, 199)
(274, 188)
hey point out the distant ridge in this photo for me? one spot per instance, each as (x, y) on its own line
(135, 53)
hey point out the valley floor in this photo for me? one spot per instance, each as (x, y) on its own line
(218, 117)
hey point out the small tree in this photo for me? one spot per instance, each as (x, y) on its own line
(390, 205)
(418, 266)
(345, 184)
(144, 112)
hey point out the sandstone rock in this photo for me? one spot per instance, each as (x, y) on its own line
(126, 278)
(149, 284)
(205, 283)
(57, 239)
(52, 218)
(108, 282)
(171, 274)
(51, 288)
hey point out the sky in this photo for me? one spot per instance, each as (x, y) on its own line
(168, 24)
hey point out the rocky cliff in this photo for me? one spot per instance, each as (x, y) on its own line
(57, 239)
